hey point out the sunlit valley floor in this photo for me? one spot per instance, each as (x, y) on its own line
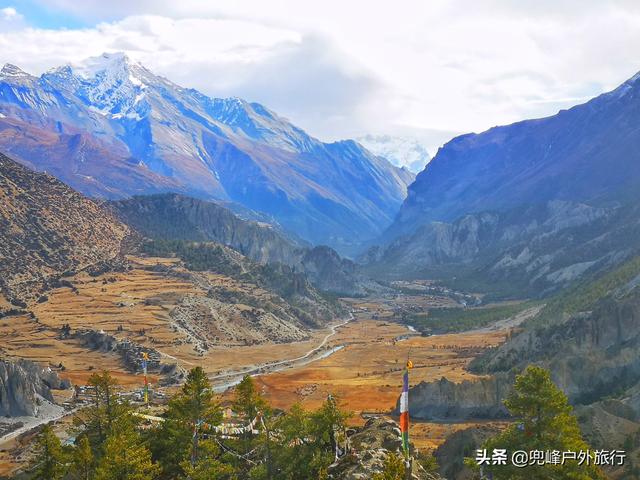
(360, 360)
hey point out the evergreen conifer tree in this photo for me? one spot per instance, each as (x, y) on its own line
(189, 411)
(82, 460)
(544, 422)
(125, 457)
(49, 460)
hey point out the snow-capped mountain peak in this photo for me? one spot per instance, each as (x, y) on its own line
(10, 70)
(16, 76)
(147, 134)
(400, 151)
(108, 65)
(259, 123)
(112, 84)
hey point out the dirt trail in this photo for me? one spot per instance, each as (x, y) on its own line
(228, 379)
(48, 412)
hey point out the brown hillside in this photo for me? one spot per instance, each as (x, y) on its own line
(48, 229)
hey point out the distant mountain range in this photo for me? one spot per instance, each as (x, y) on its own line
(110, 128)
(401, 151)
(528, 208)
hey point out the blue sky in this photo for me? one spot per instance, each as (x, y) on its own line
(343, 69)
(39, 15)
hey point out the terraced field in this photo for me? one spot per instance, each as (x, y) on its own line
(122, 304)
(137, 305)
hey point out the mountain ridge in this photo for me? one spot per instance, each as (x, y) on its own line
(49, 229)
(529, 161)
(525, 208)
(176, 217)
(216, 149)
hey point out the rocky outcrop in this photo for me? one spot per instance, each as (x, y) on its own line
(46, 230)
(131, 354)
(471, 399)
(23, 385)
(369, 447)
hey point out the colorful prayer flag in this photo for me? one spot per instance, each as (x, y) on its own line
(404, 410)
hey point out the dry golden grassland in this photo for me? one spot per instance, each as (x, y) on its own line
(366, 374)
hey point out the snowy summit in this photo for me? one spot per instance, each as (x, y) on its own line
(400, 151)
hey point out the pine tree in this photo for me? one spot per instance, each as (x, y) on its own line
(326, 422)
(124, 455)
(544, 422)
(248, 400)
(97, 421)
(208, 466)
(249, 403)
(178, 437)
(49, 462)
(82, 460)
(291, 457)
(306, 441)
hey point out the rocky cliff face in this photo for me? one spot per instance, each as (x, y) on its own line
(22, 384)
(48, 229)
(592, 355)
(446, 400)
(176, 217)
(525, 251)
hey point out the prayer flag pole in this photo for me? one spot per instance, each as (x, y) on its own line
(404, 417)
(145, 358)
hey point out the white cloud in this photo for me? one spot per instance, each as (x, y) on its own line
(339, 69)
(10, 19)
(8, 12)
